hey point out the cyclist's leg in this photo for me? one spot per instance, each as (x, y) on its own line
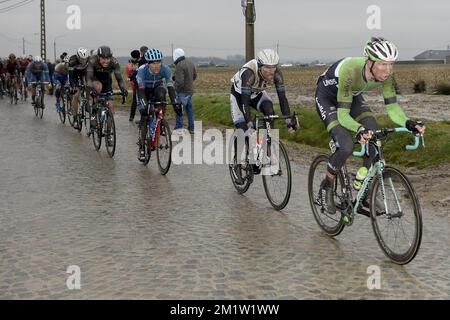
(32, 88)
(326, 109)
(149, 96)
(360, 111)
(75, 98)
(58, 85)
(133, 105)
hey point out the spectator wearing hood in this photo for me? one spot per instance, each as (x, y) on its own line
(184, 77)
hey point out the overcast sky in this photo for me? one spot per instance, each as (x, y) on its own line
(305, 29)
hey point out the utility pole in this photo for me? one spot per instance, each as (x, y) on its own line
(278, 47)
(23, 46)
(250, 16)
(43, 42)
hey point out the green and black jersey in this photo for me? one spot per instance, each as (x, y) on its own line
(342, 82)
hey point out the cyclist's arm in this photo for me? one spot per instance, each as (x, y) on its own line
(395, 112)
(90, 73)
(29, 74)
(46, 77)
(345, 99)
(169, 82)
(247, 79)
(281, 92)
(118, 75)
(140, 80)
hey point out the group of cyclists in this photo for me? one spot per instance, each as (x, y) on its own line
(338, 97)
(12, 75)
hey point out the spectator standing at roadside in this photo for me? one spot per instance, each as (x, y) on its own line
(184, 77)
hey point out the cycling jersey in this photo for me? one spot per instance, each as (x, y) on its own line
(96, 72)
(77, 71)
(62, 69)
(338, 87)
(12, 67)
(146, 79)
(23, 65)
(37, 71)
(248, 89)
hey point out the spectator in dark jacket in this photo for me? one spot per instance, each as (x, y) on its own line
(184, 76)
(142, 51)
(131, 70)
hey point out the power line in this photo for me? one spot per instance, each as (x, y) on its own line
(15, 6)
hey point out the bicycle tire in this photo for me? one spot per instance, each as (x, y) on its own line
(164, 144)
(249, 175)
(110, 149)
(62, 113)
(319, 216)
(376, 218)
(97, 133)
(278, 205)
(69, 113)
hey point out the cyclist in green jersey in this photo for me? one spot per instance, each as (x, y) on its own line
(341, 106)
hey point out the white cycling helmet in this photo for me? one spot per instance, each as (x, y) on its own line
(37, 59)
(268, 57)
(83, 53)
(380, 49)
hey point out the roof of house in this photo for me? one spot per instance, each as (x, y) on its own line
(433, 55)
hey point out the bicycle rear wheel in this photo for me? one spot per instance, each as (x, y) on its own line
(398, 222)
(241, 173)
(110, 135)
(277, 176)
(164, 147)
(331, 224)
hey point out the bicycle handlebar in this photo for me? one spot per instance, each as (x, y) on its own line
(107, 94)
(384, 132)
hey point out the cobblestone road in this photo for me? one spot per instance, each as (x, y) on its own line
(138, 235)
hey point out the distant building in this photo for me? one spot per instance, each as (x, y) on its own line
(204, 64)
(437, 55)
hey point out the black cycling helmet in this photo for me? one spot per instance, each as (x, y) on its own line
(104, 52)
(135, 54)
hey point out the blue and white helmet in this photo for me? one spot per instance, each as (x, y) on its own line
(153, 55)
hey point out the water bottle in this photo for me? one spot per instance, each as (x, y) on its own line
(103, 115)
(360, 176)
(152, 128)
(332, 146)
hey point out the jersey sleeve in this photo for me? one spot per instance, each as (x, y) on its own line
(395, 112)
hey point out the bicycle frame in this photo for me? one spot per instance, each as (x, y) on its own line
(376, 169)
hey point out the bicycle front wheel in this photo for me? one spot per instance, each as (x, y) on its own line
(397, 223)
(41, 105)
(110, 135)
(62, 113)
(164, 147)
(69, 112)
(331, 223)
(241, 173)
(97, 131)
(277, 176)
